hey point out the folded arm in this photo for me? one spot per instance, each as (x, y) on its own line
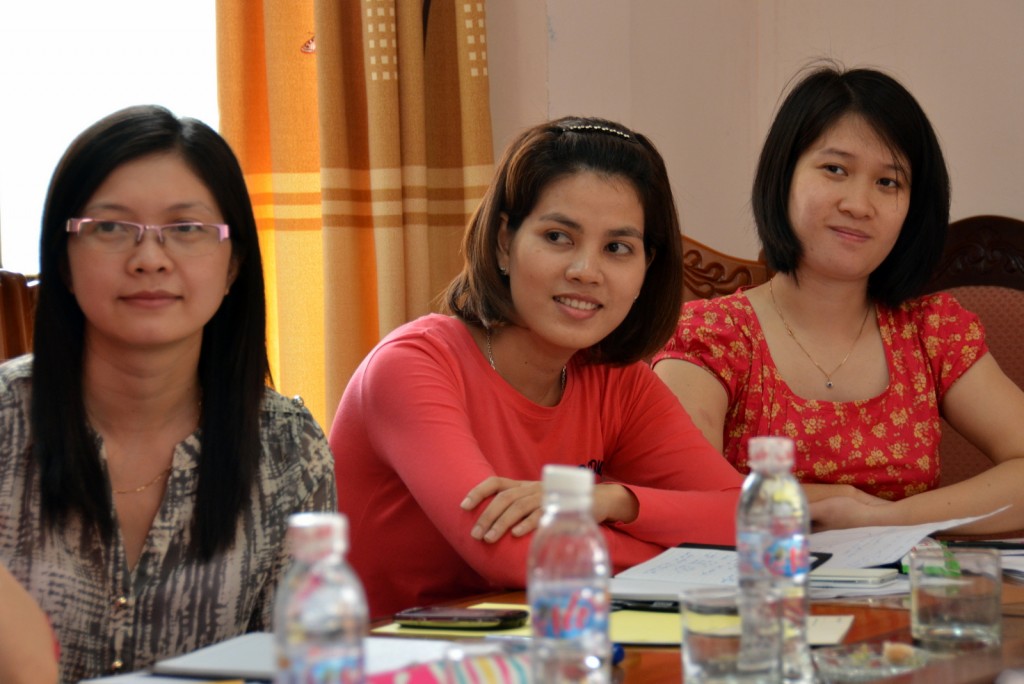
(987, 408)
(517, 506)
(656, 492)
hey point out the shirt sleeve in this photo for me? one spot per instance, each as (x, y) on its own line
(953, 338)
(687, 491)
(715, 335)
(417, 399)
(314, 490)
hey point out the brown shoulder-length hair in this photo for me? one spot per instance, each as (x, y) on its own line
(480, 294)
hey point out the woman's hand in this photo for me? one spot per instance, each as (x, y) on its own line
(840, 512)
(615, 503)
(518, 504)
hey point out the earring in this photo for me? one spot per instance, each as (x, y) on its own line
(504, 270)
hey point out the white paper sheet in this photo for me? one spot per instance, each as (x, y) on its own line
(252, 655)
(864, 547)
(896, 587)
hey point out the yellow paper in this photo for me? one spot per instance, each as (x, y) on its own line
(628, 627)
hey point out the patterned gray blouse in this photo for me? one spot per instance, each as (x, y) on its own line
(109, 619)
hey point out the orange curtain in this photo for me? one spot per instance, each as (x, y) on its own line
(364, 131)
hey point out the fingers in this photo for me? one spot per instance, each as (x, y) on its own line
(529, 524)
(516, 509)
(824, 513)
(488, 487)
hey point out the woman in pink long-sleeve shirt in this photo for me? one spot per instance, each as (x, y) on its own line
(573, 276)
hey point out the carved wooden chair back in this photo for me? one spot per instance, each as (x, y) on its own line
(17, 313)
(709, 273)
(983, 267)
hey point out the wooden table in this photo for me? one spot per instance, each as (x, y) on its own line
(654, 665)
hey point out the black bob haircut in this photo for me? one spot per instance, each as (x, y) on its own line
(814, 105)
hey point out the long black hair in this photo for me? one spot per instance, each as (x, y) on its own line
(233, 367)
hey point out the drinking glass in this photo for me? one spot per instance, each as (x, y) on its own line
(955, 598)
(717, 648)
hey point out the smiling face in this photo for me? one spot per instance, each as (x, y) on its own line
(849, 197)
(577, 262)
(145, 297)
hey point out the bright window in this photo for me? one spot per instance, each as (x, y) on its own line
(66, 63)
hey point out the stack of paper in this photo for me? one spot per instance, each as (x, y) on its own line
(865, 547)
(900, 584)
(1012, 552)
(688, 566)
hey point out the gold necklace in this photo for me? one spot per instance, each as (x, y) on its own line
(166, 471)
(490, 359)
(828, 376)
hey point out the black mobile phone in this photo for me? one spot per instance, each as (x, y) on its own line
(462, 618)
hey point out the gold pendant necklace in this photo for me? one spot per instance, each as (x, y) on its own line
(163, 473)
(828, 376)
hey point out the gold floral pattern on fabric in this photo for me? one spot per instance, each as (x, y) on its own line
(887, 445)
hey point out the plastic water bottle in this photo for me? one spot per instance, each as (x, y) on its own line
(772, 529)
(320, 614)
(568, 584)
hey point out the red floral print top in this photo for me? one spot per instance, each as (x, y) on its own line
(888, 445)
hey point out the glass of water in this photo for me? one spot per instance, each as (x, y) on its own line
(955, 598)
(719, 648)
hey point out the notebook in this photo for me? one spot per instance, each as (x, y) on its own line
(660, 579)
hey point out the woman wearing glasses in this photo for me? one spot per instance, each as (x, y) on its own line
(148, 470)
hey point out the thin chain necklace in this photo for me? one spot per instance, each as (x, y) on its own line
(490, 359)
(828, 376)
(163, 473)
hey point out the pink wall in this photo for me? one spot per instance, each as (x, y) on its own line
(702, 79)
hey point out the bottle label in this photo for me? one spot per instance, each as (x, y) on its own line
(321, 668)
(568, 615)
(780, 556)
(749, 547)
(788, 556)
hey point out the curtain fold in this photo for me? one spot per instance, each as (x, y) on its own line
(363, 128)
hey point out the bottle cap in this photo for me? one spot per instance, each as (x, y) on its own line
(568, 479)
(311, 536)
(771, 454)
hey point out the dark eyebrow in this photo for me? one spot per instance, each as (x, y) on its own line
(559, 217)
(181, 206)
(626, 231)
(835, 151)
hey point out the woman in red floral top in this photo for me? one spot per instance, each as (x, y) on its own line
(851, 201)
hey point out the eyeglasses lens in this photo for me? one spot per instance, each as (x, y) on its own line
(186, 239)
